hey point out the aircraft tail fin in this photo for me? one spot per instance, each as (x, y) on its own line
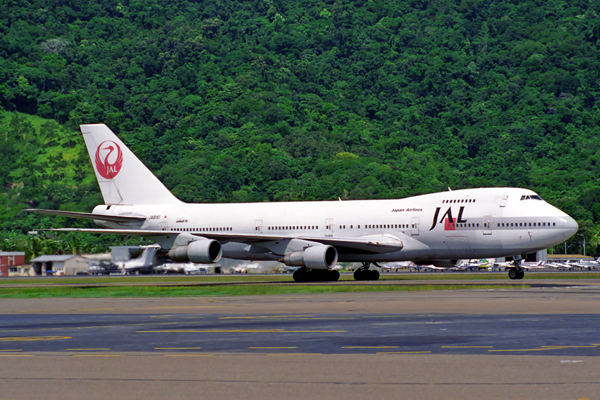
(147, 256)
(122, 177)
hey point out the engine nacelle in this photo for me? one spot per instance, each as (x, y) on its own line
(315, 257)
(439, 263)
(199, 251)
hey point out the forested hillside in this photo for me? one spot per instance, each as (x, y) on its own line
(230, 101)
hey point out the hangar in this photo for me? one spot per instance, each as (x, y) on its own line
(69, 264)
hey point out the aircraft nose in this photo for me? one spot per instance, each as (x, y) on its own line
(570, 226)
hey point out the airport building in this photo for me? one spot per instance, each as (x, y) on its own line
(10, 260)
(69, 264)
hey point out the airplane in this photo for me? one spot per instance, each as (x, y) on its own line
(533, 265)
(435, 229)
(588, 264)
(397, 266)
(183, 268)
(243, 268)
(144, 263)
(559, 266)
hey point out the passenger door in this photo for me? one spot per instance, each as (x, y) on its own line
(487, 224)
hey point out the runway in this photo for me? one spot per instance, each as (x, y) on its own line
(550, 334)
(537, 343)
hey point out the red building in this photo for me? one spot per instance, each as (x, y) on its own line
(9, 259)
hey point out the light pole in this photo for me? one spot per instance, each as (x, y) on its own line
(582, 242)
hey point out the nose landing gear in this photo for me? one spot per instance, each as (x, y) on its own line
(516, 272)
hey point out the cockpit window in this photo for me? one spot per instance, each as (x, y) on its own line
(532, 197)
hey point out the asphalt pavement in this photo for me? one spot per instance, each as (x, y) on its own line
(534, 343)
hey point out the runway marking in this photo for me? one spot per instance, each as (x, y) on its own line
(87, 327)
(160, 316)
(240, 331)
(403, 352)
(540, 349)
(177, 348)
(85, 310)
(271, 348)
(467, 347)
(16, 355)
(189, 355)
(101, 349)
(96, 355)
(175, 307)
(547, 348)
(370, 347)
(294, 354)
(33, 338)
(287, 317)
(269, 316)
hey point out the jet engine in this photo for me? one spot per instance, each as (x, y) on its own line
(315, 257)
(439, 263)
(198, 251)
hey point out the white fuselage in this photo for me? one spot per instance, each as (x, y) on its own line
(470, 223)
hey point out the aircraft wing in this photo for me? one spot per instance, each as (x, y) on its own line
(99, 217)
(372, 244)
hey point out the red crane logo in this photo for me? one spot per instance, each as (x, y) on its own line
(108, 164)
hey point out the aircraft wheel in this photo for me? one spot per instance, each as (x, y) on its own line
(359, 275)
(373, 275)
(520, 274)
(301, 275)
(316, 275)
(512, 274)
(334, 276)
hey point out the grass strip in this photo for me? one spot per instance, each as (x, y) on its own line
(140, 279)
(146, 279)
(237, 290)
(441, 276)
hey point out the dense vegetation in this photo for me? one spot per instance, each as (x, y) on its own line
(278, 100)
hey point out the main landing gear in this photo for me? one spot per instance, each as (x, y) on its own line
(304, 274)
(516, 272)
(365, 274)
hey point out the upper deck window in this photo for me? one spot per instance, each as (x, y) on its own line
(531, 197)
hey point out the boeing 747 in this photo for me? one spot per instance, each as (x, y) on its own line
(431, 229)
